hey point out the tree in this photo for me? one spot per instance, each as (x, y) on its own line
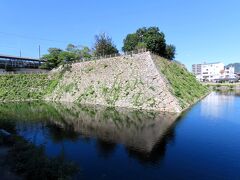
(130, 42)
(56, 56)
(52, 59)
(170, 52)
(104, 45)
(66, 56)
(80, 51)
(152, 39)
(85, 53)
(71, 48)
(141, 45)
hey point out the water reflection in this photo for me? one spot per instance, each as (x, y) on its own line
(143, 134)
(218, 103)
(158, 150)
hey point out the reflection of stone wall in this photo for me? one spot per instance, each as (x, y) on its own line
(125, 81)
(140, 130)
(135, 129)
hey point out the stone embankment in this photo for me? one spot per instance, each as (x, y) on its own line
(133, 81)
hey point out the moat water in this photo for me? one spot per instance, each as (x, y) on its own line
(203, 143)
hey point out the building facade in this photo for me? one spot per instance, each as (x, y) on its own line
(213, 72)
(197, 69)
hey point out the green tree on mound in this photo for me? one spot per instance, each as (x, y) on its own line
(56, 56)
(52, 58)
(152, 39)
(81, 52)
(104, 45)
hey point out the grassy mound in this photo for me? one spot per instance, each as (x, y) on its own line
(183, 84)
(25, 86)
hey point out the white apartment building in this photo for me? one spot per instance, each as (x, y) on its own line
(197, 69)
(212, 71)
(229, 72)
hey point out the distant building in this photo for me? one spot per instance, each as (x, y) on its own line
(213, 72)
(197, 69)
(229, 72)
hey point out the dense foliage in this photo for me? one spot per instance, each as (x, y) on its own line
(104, 45)
(56, 56)
(150, 38)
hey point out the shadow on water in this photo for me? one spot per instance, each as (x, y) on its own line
(144, 134)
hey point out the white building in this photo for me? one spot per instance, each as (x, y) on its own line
(197, 69)
(229, 72)
(212, 72)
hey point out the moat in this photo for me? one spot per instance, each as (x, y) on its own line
(202, 143)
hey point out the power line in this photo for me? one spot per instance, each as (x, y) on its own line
(33, 38)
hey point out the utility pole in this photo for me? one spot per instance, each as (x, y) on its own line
(39, 54)
(20, 53)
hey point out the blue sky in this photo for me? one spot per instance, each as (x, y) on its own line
(206, 30)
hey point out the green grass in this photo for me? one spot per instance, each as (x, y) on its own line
(26, 86)
(182, 83)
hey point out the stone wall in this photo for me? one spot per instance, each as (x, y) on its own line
(125, 81)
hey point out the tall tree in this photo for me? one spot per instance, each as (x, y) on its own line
(152, 39)
(131, 42)
(104, 45)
